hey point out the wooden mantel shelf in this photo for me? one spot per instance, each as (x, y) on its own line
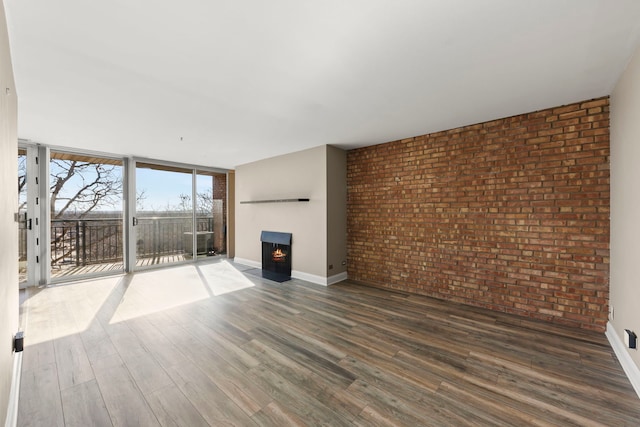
(275, 201)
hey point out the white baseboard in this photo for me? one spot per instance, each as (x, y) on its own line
(331, 280)
(313, 278)
(622, 353)
(318, 280)
(12, 409)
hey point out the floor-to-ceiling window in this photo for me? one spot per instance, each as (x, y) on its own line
(180, 213)
(86, 211)
(163, 214)
(72, 221)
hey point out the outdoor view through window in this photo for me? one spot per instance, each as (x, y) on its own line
(85, 201)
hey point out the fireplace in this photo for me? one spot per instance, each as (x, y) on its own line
(276, 255)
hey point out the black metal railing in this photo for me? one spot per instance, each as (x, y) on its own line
(86, 241)
(161, 236)
(99, 240)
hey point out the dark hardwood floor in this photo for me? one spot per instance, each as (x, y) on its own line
(207, 345)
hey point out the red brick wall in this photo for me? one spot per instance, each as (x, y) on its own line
(511, 214)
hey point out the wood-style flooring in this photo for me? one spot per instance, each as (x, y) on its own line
(205, 345)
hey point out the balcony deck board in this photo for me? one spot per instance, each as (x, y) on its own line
(68, 271)
(112, 267)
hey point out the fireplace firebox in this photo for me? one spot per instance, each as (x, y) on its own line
(276, 255)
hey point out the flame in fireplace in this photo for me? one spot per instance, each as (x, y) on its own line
(278, 255)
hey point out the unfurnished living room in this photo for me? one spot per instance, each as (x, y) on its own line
(304, 213)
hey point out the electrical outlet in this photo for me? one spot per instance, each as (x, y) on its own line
(611, 312)
(630, 339)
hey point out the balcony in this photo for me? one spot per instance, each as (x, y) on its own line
(95, 245)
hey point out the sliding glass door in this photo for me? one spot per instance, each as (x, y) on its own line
(163, 221)
(72, 209)
(86, 215)
(180, 213)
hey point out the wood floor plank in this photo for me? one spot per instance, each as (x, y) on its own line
(321, 388)
(294, 353)
(123, 399)
(386, 407)
(491, 412)
(306, 356)
(38, 354)
(83, 406)
(374, 373)
(582, 401)
(217, 408)
(173, 409)
(156, 343)
(541, 410)
(371, 417)
(72, 361)
(301, 333)
(148, 375)
(275, 415)
(238, 388)
(224, 348)
(298, 400)
(40, 402)
(126, 343)
(96, 341)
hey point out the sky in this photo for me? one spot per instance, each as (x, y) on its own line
(163, 188)
(160, 189)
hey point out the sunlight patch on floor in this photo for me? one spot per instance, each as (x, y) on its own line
(222, 278)
(66, 309)
(58, 311)
(158, 290)
(153, 291)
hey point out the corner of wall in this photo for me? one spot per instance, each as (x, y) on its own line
(628, 365)
(8, 227)
(231, 214)
(624, 292)
(336, 211)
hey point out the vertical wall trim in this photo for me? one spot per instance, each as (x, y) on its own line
(231, 214)
(43, 231)
(129, 208)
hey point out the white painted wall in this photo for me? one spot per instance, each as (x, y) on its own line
(625, 204)
(300, 174)
(303, 174)
(8, 205)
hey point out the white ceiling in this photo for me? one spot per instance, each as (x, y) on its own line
(226, 82)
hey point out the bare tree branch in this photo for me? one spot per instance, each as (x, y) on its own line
(100, 186)
(78, 188)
